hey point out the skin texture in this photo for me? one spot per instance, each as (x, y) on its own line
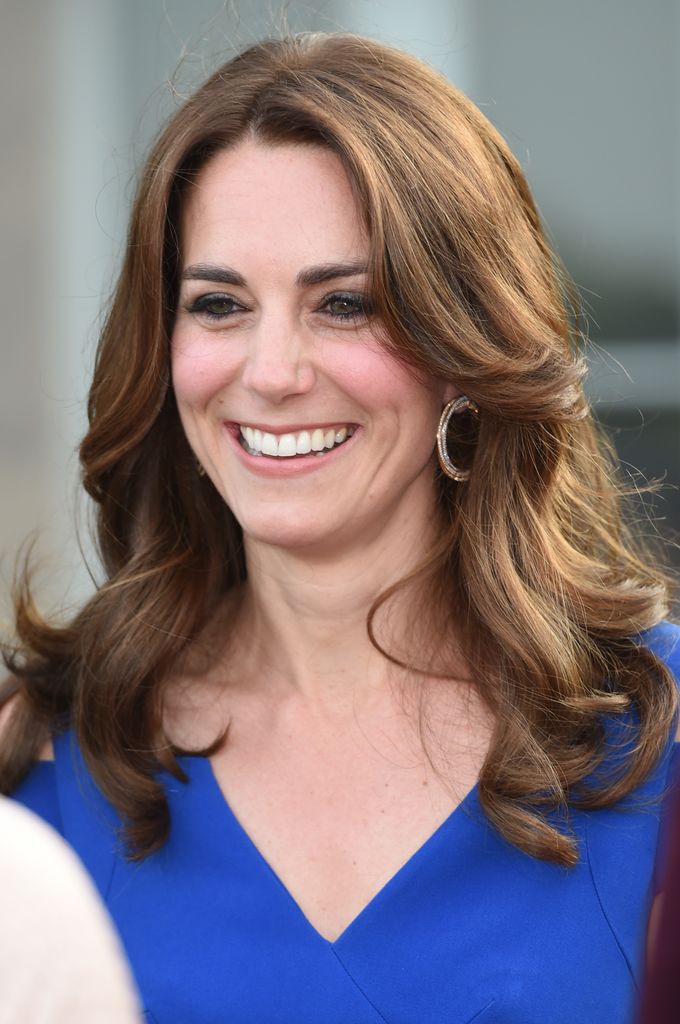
(280, 359)
(319, 743)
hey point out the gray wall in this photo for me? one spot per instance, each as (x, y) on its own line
(588, 95)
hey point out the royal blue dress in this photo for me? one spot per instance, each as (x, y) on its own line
(469, 929)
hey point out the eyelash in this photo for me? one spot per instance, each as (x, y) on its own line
(363, 307)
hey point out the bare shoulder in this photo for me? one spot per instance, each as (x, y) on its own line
(8, 710)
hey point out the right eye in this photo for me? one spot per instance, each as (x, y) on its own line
(215, 306)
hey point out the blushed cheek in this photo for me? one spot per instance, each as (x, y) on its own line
(188, 381)
(367, 372)
(384, 381)
(198, 374)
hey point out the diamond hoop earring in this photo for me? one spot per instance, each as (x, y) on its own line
(455, 407)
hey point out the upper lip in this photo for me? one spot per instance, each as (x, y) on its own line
(290, 428)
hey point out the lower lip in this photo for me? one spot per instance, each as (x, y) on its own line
(273, 466)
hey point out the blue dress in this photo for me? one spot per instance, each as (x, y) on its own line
(469, 929)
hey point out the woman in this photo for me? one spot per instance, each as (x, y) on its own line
(346, 732)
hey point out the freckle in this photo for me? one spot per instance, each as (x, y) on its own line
(425, 782)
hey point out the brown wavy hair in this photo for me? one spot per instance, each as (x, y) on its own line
(534, 564)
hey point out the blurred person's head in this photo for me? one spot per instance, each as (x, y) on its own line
(61, 961)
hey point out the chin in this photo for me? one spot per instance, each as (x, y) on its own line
(291, 535)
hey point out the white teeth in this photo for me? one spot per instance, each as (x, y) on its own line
(318, 440)
(260, 442)
(270, 446)
(304, 443)
(287, 445)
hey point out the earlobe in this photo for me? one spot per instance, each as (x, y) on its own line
(451, 392)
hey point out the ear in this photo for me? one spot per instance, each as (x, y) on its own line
(451, 392)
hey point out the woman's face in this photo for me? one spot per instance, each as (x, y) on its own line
(274, 351)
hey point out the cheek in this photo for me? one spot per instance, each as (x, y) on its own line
(381, 381)
(365, 371)
(199, 371)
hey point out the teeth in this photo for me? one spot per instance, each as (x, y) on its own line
(317, 441)
(304, 443)
(287, 445)
(270, 446)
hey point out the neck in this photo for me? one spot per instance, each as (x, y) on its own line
(304, 617)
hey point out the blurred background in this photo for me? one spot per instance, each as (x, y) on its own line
(587, 94)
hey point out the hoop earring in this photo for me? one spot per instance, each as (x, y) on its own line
(455, 407)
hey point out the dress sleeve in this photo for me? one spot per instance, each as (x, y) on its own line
(38, 792)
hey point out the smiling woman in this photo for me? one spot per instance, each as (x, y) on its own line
(287, 357)
(376, 663)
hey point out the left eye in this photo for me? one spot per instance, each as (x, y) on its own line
(347, 306)
(214, 306)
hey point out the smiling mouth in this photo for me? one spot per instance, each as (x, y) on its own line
(318, 441)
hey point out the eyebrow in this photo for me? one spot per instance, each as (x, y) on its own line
(305, 279)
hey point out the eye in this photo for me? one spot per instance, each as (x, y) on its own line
(347, 306)
(215, 306)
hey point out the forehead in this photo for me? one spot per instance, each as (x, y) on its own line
(293, 202)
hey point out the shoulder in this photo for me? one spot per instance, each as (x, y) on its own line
(622, 847)
(663, 640)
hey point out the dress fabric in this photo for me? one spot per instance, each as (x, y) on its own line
(469, 929)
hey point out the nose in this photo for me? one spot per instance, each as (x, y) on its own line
(278, 362)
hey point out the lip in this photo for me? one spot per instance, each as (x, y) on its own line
(273, 467)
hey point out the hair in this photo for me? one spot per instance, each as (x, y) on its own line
(534, 564)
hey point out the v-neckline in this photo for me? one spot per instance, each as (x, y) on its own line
(379, 897)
